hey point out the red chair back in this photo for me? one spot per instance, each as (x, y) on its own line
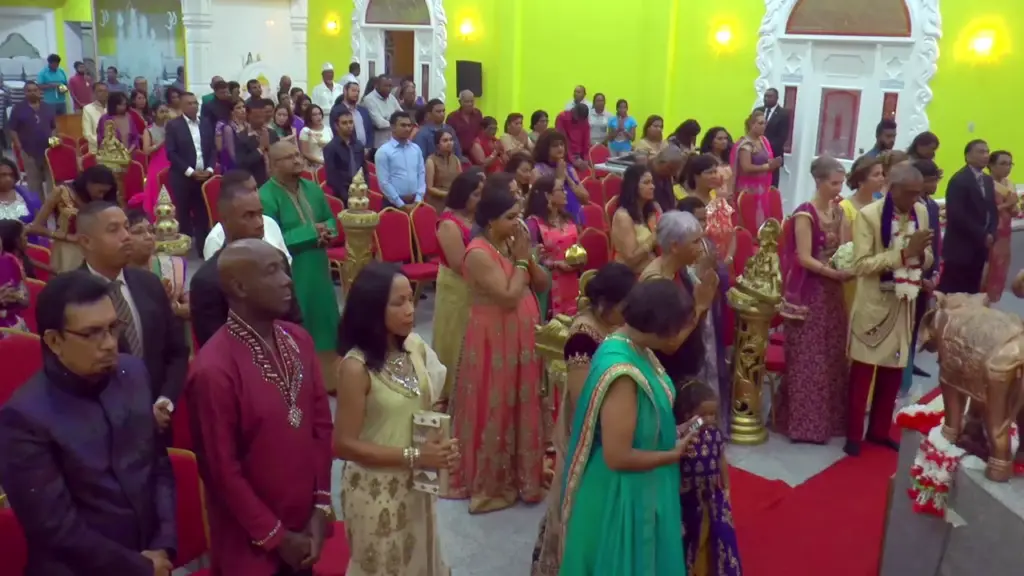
(34, 288)
(372, 183)
(612, 186)
(140, 157)
(371, 168)
(41, 255)
(745, 248)
(337, 207)
(15, 556)
(598, 248)
(328, 191)
(599, 154)
(787, 231)
(394, 236)
(21, 355)
(610, 208)
(211, 193)
(594, 187)
(593, 216)
(63, 163)
(321, 175)
(68, 141)
(134, 180)
(424, 228)
(307, 175)
(193, 541)
(88, 161)
(746, 205)
(181, 426)
(376, 201)
(775, 205)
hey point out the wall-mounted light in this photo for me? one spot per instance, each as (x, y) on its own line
(331, 26)
(986, 39)
(982, 43)
(270, 23)
(723, 36)
(466, 29)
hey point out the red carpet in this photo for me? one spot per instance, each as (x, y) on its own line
(753, 495)
(831, 524)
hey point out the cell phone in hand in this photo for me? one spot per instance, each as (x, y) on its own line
(697, 425)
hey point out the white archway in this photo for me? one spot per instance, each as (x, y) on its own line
(431, 44)
(876, 75)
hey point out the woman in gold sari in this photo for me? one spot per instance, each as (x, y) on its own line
(602, 296)
(386, 375)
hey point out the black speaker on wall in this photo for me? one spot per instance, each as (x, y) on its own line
(469, 76)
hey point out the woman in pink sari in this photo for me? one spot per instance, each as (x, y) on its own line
(753, 162)
(812, 399)
(497, 406)
(153, 147)
(1000, 164)
(553, 231)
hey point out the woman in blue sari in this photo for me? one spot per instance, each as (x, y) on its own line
(620, 504)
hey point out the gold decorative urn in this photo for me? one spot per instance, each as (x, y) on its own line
(551, 337)
(576, 255)
(359, 223)
(168, 239)
(755, 298)
(113, 154)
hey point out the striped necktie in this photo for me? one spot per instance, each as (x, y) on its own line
(124, 314)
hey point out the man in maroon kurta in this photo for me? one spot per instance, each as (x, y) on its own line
(263, 425)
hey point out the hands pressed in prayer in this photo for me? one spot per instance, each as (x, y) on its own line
(705, 291)
(162, 410)
(315, 529)
(918, 242)
(295, 549)
(161, 563)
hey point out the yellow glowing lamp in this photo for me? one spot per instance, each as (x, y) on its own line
(723, 36)
(331, 26)
(466, 29)
(983, 42)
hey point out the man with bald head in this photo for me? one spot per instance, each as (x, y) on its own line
(262, 422)
(300, 208)
(892, 244)
(151, 331)
(465, 120)
(665, 167)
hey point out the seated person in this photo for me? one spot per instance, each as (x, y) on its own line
(87, 508)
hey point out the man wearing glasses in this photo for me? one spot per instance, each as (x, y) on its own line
(80, 457)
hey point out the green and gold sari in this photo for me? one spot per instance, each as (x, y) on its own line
(617, 523)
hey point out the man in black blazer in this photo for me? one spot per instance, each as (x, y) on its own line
(777, 127)
(251, 146)
(971, 220)
(218, 108)
(151, 331)
(190, 150)
(344, 155)
(241, 215)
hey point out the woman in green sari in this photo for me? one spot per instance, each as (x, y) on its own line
(620, 504)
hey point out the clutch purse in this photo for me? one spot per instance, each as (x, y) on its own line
(428, 426)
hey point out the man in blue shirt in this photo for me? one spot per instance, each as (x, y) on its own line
(432, 122)
(54, 83)
(32, 123)
(114, 83)
(401, 172)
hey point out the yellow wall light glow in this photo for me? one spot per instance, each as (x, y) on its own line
(723, 36)
(466, 29)
(983, 43)
(332, 26)
(983, 40)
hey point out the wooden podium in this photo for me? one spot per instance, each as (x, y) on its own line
(70, 125)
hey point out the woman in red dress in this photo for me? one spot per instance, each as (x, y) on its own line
(487, 151)
(553, 230)
(497, 403)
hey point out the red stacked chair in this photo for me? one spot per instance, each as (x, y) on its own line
(376, 201)
(321, 175)
(89, 160)
(610, 208)
(598, 248)
(62, 161)
(745, 248)
(190, 499)
(371, 169)
(211, 194)
(306, 174)
(82, 146)
(15, 556)
(41, 255)
(34, 288)
(372, 183)
(746, 206)
(593, 216)
(336, 252)
(612, 186)
(68, 141)
(21, 355)
(424, 229)
(328, 190)
(775, 205)
(599, 154)
(394, 243)
(134, 183)
(595, 189)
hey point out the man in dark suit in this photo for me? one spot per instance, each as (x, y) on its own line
(776, 127)
(151, 330)
(251, 146)
(190, 150)
(241, 215)
(362, 123)
(80, 459)
(344, 155)
(971, 220)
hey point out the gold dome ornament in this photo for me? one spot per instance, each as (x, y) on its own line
(168, 238)
(360, 224)
(576, 255)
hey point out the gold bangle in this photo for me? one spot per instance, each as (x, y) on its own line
(524, 264)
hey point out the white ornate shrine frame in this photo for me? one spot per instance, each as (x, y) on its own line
(434, 52)
(925, 31)
(197, 18)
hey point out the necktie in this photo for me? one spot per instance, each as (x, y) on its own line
(768, 115)
(124, 314)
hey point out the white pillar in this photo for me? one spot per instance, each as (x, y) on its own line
(197, 18)
(300, 25)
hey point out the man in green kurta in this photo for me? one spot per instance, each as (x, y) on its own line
(300, 208)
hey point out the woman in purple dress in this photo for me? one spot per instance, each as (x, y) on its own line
(13, 293)
(17, 202)
(125, 128)
(227, 133)
(550, 160)
(709, 533)
(812, 399)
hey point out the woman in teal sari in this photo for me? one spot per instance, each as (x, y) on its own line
(620, 504)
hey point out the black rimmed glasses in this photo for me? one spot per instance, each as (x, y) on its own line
(97, 335)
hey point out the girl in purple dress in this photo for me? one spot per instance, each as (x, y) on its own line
(709, 534)
(125, 128)
(13, 293)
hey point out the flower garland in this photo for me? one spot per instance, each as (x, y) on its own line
(937, 459)
(907, 279)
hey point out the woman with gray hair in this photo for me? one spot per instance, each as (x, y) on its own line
(681, 238)
(811, 405)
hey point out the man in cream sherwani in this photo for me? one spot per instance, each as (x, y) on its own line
(891, 245)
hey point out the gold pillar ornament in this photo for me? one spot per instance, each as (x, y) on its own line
(550, 340)
(168, 238)
(755, 298)
(115, 156)
(359, 223)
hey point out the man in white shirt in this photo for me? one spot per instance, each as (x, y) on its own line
(325, 94)
(271, 232)
(91, 114)
(352, 76)
(381, 104)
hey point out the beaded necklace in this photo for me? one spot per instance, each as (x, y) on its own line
(285, 373)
